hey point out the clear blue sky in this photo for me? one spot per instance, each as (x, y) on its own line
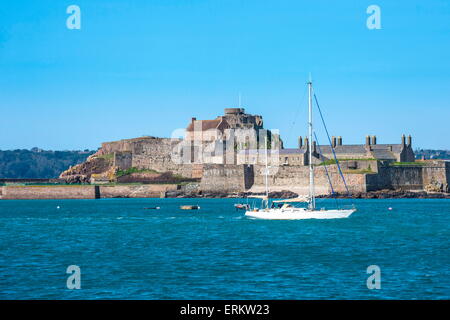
(146, 67)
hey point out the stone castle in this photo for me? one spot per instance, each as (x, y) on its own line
(228, 154)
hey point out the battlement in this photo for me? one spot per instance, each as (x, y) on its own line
(230, 111)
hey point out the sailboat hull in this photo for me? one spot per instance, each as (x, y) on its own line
(299, 214)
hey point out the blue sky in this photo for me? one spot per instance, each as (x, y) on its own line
(146, 67)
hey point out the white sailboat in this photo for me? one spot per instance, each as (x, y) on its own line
(287, 211)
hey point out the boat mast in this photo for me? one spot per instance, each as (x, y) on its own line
(312, 200)
(266, 173)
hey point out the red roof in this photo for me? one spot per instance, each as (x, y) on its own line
(207, 124)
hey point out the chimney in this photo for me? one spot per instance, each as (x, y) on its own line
(374, 139)
(367, 140)
(333, 141)
(300, 142)
(339, 141)
(314, 147)
(403, 140)
(409, 141)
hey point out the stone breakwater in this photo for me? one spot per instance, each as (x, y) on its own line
(85, 191)
(177, 191)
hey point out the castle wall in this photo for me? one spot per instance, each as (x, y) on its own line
(410, 177)
(136, 191)
(123, 160)
(149, 153)
(437, 172)
(391, 177)
(224, 178)
(296, 178)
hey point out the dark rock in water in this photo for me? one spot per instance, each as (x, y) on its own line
(284, 194)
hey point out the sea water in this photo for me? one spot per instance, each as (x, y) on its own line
(127, 252)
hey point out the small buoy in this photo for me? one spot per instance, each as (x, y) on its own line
(57, 207)
(390, 208)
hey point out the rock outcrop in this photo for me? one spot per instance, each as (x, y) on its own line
(82, 173)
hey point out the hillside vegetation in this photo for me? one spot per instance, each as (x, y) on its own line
(37, 163)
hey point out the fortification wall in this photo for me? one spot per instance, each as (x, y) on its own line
(296, 178)
(136, 191)
(223, 178)
(123, 160)
(137, 145)
(436, 171)
(49, 192)
(85, 191)
(436, 175)
(390, 177)
(148, 153)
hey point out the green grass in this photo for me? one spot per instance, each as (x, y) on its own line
(358, 171)
(332, 161)
(400, 164)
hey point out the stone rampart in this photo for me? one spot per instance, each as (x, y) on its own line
(85, 191)
(49, 192)
(223, 178)
(296, 178)
(136, 191)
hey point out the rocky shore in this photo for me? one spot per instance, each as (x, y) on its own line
(194, 194)
(380, 194)
(391, 194)
(85, 191)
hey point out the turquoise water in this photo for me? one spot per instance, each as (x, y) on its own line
(126, 252)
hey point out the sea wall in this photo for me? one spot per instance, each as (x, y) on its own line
(412, 177)
(49, 192)
(436, 171)
(225, 178)
(136, 191)
(85, 191)
(296, 178)
(436, 175)
(393, 177)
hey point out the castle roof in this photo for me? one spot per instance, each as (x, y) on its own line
(292, 151)
(379, 151)
(260, 151)
(205, 125)
(348, 148)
